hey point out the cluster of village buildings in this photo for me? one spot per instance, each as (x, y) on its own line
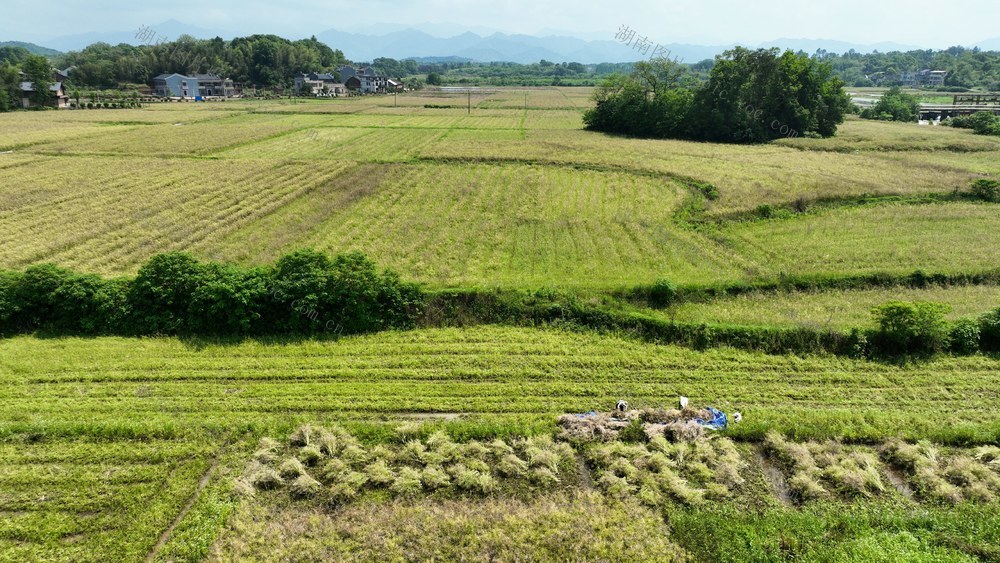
(352, 81)
(910, 79)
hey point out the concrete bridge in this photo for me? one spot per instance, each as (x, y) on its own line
(934, 111)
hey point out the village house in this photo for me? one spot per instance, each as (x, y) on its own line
(366, 81)
(319, 84)
(59, 98)
(199, 85)
(912, 79)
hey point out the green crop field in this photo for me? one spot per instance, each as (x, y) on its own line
(114, 434)
(837, 309)
(159, 448)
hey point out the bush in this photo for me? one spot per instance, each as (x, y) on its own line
(989, 331)
(965, 334)
(911, 328)
(313, 292)
(984, 123)
(702, 337)
(986, 190)
(228, 301)
(633, 433)
(894, 105)
(163, 292)
(9, 306)
(34, 296)
(710, 192)
(662, 293)
(87, 304)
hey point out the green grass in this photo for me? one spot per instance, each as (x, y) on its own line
(93, 499)
(891, 238)
(837, 310)
(162, 387)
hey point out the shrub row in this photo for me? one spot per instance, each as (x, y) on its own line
(653, 295)
(983, 122)
(305, 292)
(904, 329)
(553, 308)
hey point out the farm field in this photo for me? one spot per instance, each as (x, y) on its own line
(115, 434)
(123, 449)
(408, 168)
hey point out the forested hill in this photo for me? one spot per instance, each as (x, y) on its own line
(31, 48)
(257, 60)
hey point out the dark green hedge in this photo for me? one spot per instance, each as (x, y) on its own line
(306, 292)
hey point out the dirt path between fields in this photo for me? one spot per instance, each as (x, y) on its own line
(202, 483)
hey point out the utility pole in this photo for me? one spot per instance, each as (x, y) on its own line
(470, 101)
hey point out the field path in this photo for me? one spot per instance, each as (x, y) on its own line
(202, 483)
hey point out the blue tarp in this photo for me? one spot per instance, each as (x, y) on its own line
(718, 421)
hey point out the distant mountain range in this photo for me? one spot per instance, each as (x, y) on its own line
(440, 42)
(32, 48)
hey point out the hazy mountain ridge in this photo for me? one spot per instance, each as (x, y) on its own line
(427, 41)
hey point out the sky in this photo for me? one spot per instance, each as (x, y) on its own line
(705, 22)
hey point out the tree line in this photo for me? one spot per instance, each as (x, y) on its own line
(305, 292)
(967, 68)
(263, 61)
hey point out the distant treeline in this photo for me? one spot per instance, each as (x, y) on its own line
(266, 61)
(255, 61)
(542, 73)
(967, 68)
(304, 293)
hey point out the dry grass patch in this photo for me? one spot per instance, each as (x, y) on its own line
(948, 476)
(332, 466)
(828, 470)
(580, 526)
(661, 472)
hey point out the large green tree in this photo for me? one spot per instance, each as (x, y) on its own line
(756, 96)
(749, 97)
(654, 101)
(10, 93)
(38, 71)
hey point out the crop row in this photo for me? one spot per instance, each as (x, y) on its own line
(115, 218)
(80, 500)
(161, 383)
